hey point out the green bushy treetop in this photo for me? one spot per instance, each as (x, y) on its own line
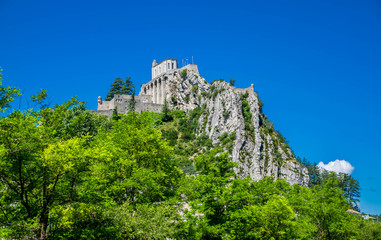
(7, 94)
(120, 87)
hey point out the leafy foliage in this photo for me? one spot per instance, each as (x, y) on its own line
(7, 94)
(247, 115)
(194, 88)
(183, 73)
(120, 87)
(67, 173)
(349, 186)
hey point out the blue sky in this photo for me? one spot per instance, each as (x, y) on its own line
(315, 64)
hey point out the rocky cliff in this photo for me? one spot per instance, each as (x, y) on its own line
(233, 113)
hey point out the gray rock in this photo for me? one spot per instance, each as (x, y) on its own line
(259, 152)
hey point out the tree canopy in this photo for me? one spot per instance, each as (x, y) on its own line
(120, 87)
(68, 173)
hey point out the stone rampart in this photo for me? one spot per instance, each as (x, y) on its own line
(122, 104)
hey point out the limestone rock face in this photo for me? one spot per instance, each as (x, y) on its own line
(258, 148)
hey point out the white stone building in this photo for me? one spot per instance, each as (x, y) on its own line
(162, 73)
(164, 66)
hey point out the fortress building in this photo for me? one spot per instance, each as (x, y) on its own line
(153, 93)
(163, 67)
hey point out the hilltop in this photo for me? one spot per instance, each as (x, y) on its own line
(225, 114)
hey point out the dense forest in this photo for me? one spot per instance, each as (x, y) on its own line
(68, 173)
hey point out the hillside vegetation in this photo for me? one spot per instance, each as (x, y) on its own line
(67, 173)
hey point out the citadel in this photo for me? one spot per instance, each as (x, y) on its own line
(153, 93)
(224, 111)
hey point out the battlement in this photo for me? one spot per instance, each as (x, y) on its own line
(121, 103)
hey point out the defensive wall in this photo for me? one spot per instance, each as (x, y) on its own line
(153, 93)
(122, 104)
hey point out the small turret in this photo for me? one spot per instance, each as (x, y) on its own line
(99, 100)
(154, 63)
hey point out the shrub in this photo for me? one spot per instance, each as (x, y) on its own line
(186, 99)
(195, 88)
(174, 101)
(178, 114)
(183, 74)
(171, 135)
(225, 114)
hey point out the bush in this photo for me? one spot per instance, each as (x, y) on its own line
(195, 113)
(178, 114)
(171, 135)
(174, 101)
(183, 74)
(225, 114)
(195, 88)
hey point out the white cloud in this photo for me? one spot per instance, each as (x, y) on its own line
(337, 166)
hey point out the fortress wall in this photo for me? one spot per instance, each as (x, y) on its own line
(105, 105)
(156, 89)
(144, 98)
(249, 90)
(141, 106)
(191, 67)
(121, 102)
(108, 113)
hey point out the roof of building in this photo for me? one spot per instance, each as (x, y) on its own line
(166, 60)
(354, 212)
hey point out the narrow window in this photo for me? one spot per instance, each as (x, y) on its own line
(172, 65)
(168, 66)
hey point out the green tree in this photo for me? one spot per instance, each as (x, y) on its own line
(351, 189)
(147, 221)
(7, 94)
(79, 122)
(115, 199)
(132, 102)
(232, 81)
(165, 113)
(325, 207)
(40, 98)
(215, 173)
(40, 172)
(313, 172)
(277, 219)
(370, 230)
(120, 87)
(115, 115)
(138, 168)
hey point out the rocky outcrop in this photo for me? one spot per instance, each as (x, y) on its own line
(258, 148)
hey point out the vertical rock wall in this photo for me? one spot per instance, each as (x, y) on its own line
(258, 148)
